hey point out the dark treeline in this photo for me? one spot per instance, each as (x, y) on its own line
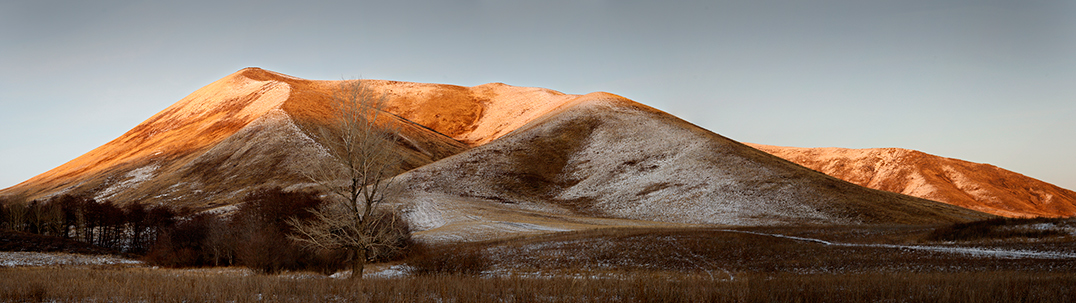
(132, 228)
(253, 235)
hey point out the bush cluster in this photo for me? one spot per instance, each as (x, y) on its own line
(448, 260)
(255, 235)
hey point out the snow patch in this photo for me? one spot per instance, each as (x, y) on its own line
(223, 210)
(131, 179)
(395, 271)
(519, 226)
(969, 251)
(424, 214)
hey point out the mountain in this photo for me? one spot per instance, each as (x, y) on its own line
(238, 133)
(605, 156)
(250, 129)
(981, 187)
(486, 160)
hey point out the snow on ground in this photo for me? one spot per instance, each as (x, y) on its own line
(442, 218)
(395, 271)
(223, 210)
(968, 251)
(22, 258)
(437, 217)
(424, 214)
(1069, 228)
(131, 179)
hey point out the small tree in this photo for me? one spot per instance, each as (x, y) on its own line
(361, 143)
(136, 214)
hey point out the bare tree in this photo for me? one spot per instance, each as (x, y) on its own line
(18, 216)
(361, 142)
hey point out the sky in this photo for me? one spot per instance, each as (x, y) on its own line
(984, 81)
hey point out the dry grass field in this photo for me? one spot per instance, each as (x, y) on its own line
(775, 264)
(156, 285)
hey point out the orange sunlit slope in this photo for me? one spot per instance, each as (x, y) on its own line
(981, 187)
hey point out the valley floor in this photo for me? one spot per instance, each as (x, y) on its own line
(695, 264)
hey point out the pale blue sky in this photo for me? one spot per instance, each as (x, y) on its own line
(984, 81)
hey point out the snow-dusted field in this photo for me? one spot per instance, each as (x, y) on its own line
(978, 252)
(21, 258)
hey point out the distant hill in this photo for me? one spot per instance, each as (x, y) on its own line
(981, 187)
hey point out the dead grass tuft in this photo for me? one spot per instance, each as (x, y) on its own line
(452, 259)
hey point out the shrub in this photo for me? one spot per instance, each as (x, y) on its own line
(997, 228)
(447, 260)
(184, 244)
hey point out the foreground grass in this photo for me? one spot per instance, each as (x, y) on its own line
(156, 285)
(620, 265)
(726, 254)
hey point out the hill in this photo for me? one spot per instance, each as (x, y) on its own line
(605, 156)
(977, 186)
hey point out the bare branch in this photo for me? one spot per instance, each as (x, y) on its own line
(362, 144)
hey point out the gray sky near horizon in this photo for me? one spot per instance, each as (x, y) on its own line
(984, 81)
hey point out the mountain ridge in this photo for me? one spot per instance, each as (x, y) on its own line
(978, 186)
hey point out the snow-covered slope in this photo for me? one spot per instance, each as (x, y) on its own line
(605, 156)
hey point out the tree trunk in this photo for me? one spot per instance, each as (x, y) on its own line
(358, 262)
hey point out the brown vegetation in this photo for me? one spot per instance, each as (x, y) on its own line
(618, 265)
(254, 236)
(726, 254)
(78, 285)
(1004, 228)
(23, 241)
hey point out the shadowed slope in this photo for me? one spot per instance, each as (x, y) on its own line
(981, 187)
(603, 155)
